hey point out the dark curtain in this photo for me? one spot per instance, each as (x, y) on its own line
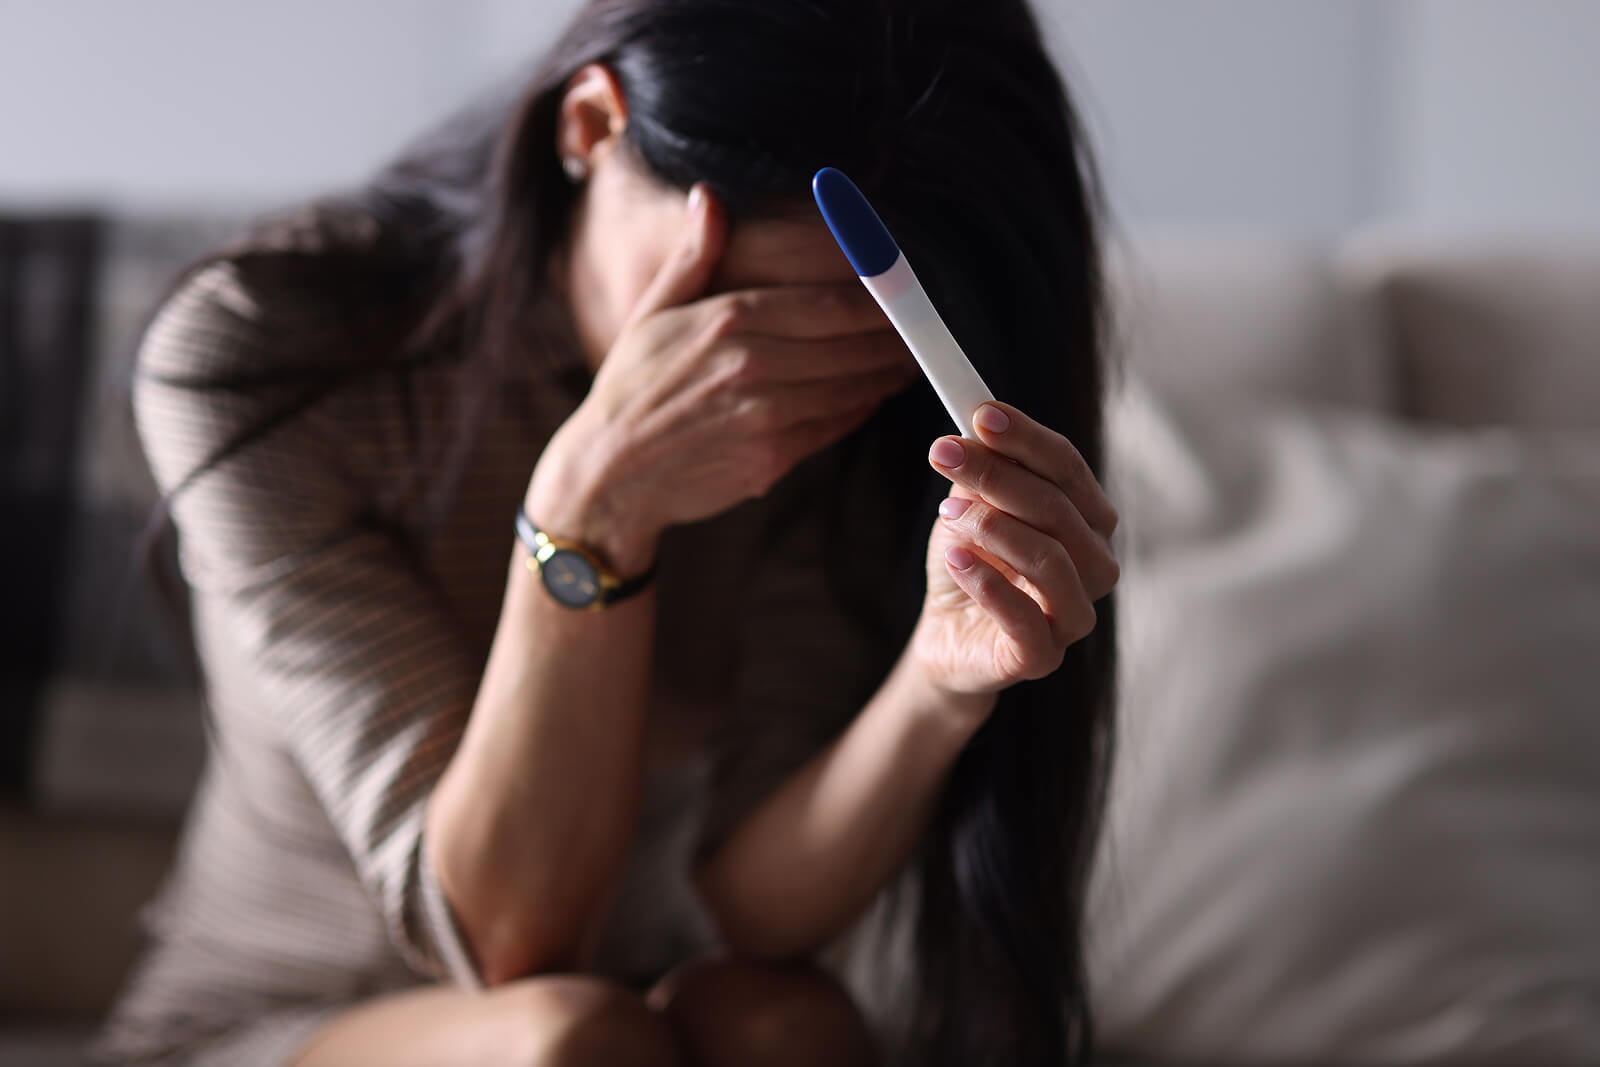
(48, 278)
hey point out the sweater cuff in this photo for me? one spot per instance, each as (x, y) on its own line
(450, 946)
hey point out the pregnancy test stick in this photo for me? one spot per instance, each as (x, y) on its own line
(888, 277)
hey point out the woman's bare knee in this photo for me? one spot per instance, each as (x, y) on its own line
(735, 1012)
(583, 1022)
(556, 1021)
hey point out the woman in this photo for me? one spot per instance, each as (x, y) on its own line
(451, 820)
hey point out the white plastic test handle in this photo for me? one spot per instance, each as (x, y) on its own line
(906, 303)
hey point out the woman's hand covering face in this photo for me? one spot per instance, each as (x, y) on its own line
(1018, 558)
(705, 401)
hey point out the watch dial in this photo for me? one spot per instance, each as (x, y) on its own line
(571, 579)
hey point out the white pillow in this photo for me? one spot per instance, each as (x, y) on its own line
(1356, 817)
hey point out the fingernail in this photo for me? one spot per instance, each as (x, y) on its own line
(993, 419)
(947, 452)
(953, 507)
(959, 558)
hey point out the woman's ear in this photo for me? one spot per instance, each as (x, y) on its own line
(591, 120)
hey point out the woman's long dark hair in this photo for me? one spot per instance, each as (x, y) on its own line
(951, 117)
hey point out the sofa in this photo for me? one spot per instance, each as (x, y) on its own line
(1356, 812)
(1356, 817)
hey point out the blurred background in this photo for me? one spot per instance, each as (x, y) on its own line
(1357, 251)
(1301, 116)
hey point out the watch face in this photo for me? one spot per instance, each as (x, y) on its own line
(570, 578)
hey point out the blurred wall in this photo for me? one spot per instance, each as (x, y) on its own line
(169, 102)
(1264, 113)
(1300, 116)
(1498, 113)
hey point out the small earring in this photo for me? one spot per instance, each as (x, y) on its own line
(577, 170)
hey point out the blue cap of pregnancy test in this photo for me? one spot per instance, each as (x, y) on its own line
(857, 228)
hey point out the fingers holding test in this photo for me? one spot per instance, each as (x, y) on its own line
(1012, 434)
(1017, 614)
(1039, 559)
(1037, 503)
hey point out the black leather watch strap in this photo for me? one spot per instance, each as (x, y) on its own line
(628, 588)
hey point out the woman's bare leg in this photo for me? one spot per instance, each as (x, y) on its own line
(736, 1013)
(553, 1021)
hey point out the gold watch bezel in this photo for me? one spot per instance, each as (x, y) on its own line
(546, 546)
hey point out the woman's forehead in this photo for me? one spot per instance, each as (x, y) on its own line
(782, 251)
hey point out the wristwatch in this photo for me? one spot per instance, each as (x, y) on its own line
(573, 574)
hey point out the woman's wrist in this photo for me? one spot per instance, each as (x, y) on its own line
(570, 496)
(954, 716)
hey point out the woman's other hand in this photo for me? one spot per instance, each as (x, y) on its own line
(704, 402)
(1017, 559)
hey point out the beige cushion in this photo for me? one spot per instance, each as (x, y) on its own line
(1230, 318)
(1489, 332)
(1356, 816)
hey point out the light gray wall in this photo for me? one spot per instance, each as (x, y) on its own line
(176, 101)
(1298, 116)
(1260, 113)
(1498, 114)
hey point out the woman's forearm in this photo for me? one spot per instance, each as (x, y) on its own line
(530, 823)
(810, 858)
